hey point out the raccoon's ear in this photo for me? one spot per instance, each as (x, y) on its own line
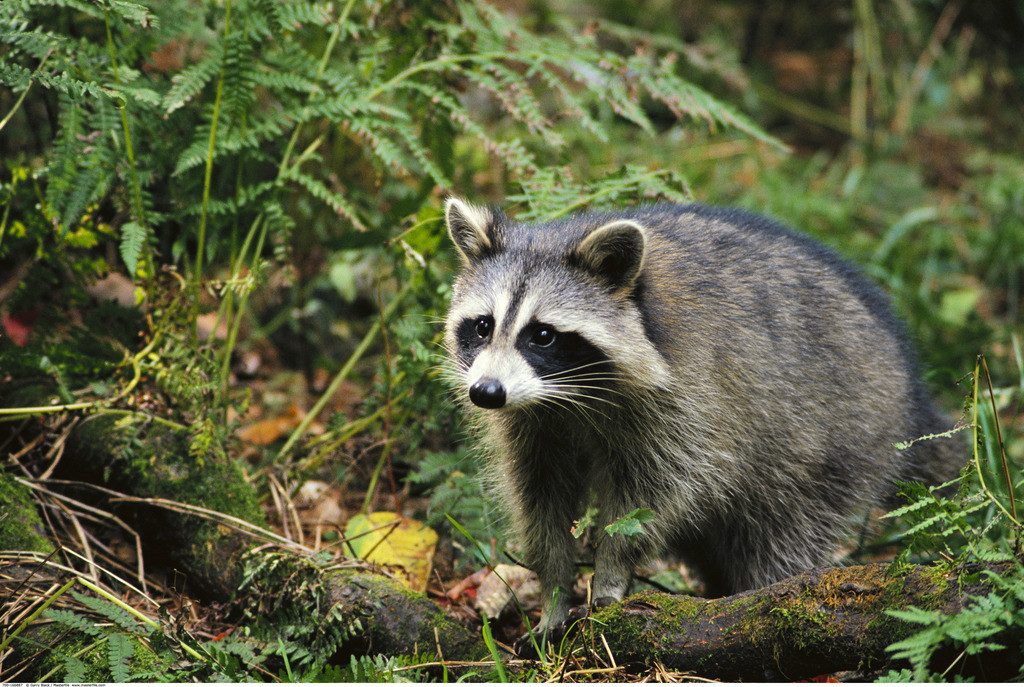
(614, 252)
(471, 228)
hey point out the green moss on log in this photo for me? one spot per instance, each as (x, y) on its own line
(21, 529)
(56, 653)
(397, 620)
(149, 459)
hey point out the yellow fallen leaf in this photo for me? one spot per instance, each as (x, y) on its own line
(390, 539)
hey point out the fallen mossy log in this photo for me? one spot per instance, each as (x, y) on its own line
(822, 621)
(396, 621)
(149, 461)
(21, 529)
(202, 516)
(819, 622)
(371, 613)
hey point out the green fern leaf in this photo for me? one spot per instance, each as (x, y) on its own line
(113, 613)
(76, 621)
(377, 137)
(14, 76)
(76, 669)
(133, 13)
(133, 236)
(334, 200)
(189, 82)
(239, 74)
(422, 155)
(290, 16)
(120, 650)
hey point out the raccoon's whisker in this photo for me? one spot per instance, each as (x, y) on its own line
(572, 381)
(579, 389)
(577, 384)
(581, 409)
(584, 377)
(581, 399)
(556, 401)
(584, 366)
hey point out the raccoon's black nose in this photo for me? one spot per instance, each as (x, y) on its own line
(487, 393)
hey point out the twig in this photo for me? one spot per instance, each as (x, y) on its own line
(87, 555)
(57, 450)
(343, 372)
(100, 514)
(607, 649)
(39, 611)
(977, 456)
(901, 119)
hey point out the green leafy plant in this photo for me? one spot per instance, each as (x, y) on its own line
(977, 526)
(263, 131)
(632, 524)
(288, 615)
(971, 630)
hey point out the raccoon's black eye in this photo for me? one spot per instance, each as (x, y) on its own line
(483, 327)
(543, 337)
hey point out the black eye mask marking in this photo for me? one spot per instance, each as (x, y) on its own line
(472, 334)
(555, 354)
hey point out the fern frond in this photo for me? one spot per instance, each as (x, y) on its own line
(281, 81)
(132, 13)
(133, 236)
(332, 199)
(250, 196)
(24, 7)
(377, 137)
(120, 650)
(289, 16)
(190, 81)
(141, 95)
(573, 107)
(686, 100)
(238, 74)
(423, 156)
(18, 77)
(75, 668)
(516, 98)
(254, 137)
(76, 621)
(111, 612)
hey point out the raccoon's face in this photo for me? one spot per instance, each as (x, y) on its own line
(513, 343)
(537, 318)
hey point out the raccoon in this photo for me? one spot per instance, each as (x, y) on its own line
(736, 378)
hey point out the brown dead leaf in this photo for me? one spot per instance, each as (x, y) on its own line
(319, 504)
(268, 430)
(505, 581)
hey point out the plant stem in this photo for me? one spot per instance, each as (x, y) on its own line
(207, 177)
(343, 372)
(21, 98)
(259, 223)
(137, 207)
(35, 614)
(439, 62)
(999, 437)
(977, 456)
(117, 602)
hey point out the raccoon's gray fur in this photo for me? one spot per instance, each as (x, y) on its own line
(738, 379)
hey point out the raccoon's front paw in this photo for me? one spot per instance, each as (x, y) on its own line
(576, 613)
(528, 645)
